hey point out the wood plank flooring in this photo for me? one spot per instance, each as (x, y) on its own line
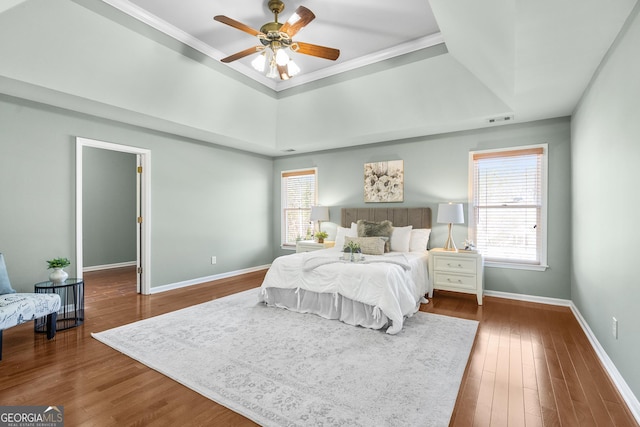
(531, 364)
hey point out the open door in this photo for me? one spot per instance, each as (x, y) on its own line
(143, 208)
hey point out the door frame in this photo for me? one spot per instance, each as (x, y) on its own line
(144, 251)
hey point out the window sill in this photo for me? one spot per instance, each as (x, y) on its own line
(288, 247)
(513, 266)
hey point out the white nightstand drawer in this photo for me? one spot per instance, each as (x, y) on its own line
(456, 264)
(457, 281)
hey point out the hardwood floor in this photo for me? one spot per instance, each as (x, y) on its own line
(531, 364)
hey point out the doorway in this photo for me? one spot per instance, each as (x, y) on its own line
(142, 219)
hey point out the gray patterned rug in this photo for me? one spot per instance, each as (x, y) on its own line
(281, 368)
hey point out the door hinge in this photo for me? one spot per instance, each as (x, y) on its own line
(139, 220)
(139, 169)
(139, 270)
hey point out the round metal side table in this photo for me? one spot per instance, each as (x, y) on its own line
(71, 313)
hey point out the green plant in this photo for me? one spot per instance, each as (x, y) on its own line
(352, 247)
(321, 235)
(59, 263)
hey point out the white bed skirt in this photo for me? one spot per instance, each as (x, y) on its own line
(329, 306)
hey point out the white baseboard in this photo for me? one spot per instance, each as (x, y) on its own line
(200, 280)
(529, 298)
(108, 266)
(620, 383)
(610, 367)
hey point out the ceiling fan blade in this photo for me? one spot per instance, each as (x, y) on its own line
(300, 18)
(316, 50)
(242, 54)
(236, 24)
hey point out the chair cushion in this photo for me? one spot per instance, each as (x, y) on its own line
(22, 307)
(5, 284)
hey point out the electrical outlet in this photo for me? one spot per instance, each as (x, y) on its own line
(614, 327)
(213, 260)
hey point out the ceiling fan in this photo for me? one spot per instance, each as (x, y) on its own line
(275, 38)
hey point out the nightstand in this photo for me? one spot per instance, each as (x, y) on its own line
(312, 245)
(457, 271)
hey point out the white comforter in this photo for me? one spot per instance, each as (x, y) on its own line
(394, 283)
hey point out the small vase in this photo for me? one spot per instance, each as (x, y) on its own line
(320, 239)
(58, 275)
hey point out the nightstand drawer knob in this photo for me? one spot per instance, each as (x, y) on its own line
(454, 265)
(457, 281)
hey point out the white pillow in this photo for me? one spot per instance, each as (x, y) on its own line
(419, 239)
(400, 237)
(342, 232)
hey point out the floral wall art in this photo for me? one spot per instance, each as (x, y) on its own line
(384, 181)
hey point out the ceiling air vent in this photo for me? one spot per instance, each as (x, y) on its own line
(508, 118)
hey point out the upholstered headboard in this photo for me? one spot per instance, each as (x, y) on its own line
(400, 217)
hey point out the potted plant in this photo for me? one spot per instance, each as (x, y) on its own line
(321, 235)
(353, 250)
(58, 275)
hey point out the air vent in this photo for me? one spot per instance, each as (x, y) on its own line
(288, 150)
(508, 118)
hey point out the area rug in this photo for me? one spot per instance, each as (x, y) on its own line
(280, 368)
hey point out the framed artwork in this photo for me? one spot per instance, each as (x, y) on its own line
(384, 182)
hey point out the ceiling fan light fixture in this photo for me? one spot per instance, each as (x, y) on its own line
(275, 38)
(293, 68)
(259, 62)
(281, 57)
(273, 70)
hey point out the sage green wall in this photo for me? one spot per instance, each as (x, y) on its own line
(606, 200)
(205, 200)
(109, 207)
(436, 170)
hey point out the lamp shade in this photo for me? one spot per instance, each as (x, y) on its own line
(450, 213)
(319, 213)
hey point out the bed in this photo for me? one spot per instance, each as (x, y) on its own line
(378, 292)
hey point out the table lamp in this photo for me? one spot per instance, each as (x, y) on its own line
(450, 213)
(319, 213)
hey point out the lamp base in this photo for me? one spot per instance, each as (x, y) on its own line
(450, 245)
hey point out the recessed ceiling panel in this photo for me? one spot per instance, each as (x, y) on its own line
(360, 29)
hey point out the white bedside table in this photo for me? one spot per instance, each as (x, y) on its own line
(312, 245)
(457, 271)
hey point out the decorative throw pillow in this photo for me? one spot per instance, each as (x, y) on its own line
(419, 239)
(376, 229)
(400, 238)
(368, 245)
(5, 284)
(342, 232)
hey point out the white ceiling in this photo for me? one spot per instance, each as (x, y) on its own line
(364, 31)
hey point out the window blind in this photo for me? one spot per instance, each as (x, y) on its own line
(507, 205)
(298, 195)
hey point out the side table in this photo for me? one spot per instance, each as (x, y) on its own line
(71, 312)
(457, 271)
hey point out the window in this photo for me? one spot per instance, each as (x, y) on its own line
(508, 206)
(299, 193)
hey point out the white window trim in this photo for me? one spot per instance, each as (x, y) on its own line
(282, 190)
(545, 207)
